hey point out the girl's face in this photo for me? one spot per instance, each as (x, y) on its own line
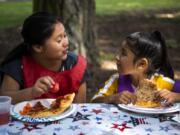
(56, 47)
(124, 60)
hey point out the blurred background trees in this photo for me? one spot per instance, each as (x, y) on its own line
(97, 27)
(78, 16)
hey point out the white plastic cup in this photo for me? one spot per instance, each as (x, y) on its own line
(5, 105)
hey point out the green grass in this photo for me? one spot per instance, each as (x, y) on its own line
(105, 7)
(13, 13)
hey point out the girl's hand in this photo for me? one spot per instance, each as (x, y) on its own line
(124, 97)
(168, 96)
(42, 85)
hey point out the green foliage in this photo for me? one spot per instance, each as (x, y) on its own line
(106, 56)
(105, 7)
(13, 13)
(171, 43)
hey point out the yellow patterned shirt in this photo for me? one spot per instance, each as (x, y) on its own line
(111, 85)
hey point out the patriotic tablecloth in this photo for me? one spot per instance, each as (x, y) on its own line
(98, 119)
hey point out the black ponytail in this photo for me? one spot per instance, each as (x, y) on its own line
(165, 67)
(153, 47)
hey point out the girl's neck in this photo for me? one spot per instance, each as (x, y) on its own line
(136, 80)
(53, 65)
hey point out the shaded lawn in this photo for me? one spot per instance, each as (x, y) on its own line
(107, 7)
(115, 19)
(12, 14)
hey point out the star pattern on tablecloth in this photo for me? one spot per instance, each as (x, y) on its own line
(125, 116)
(74, 127)
(13, 133)
(53, 122)
(115, 112)
(30, 127)
(176, 126)
(107, 106)
(85, 123)
(115, 118)
(81, 133)
(97, 111)
(111, 132)
(57, 129)
(11, 124)
(120, 127)
(166, 118)
(165, 128)
(98, 118)
(83, 106)
(137, 121)
(149, 130)
(84, 109)
(175, 134)
(13, 119)
(79, 116)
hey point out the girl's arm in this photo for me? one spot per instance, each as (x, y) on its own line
(11, 87)
(169, 96)
(81, 94)
(124, 97)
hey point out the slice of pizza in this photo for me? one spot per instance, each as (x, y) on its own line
(36, 108)
(146, 94)
(57, 107)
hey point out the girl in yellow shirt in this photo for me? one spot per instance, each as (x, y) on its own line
(140, 56)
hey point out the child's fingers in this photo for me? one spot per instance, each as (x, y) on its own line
(47, 81)
(128, 97)
(125, 99)
(164, 95)
(167, 101)
(43, 87)
(37, 91)
(50, 80)
(133, 99)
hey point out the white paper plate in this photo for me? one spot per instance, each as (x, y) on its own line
(133, 108)
(46, 102)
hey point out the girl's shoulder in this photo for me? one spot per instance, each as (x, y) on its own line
(12, 65)
(12, 68)
(113, 79)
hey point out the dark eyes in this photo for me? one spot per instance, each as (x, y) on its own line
(60, 39)
(65, 35)
(123, 52)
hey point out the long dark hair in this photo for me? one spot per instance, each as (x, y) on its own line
(36, 29)
(153, 47)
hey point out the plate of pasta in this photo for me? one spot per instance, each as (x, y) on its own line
(44, 110)
(156, 110)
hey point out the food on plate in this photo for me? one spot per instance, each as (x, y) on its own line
(26, 109)
(57, 107)
(55, 88)
(146, 94)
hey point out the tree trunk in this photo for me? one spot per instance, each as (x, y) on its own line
(78, 18)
